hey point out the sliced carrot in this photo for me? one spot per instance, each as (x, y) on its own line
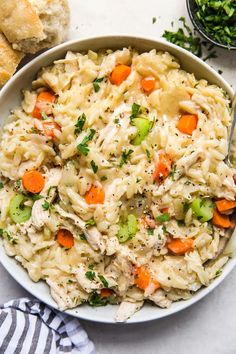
(95, 196)
(164, 210)
(221, 220)
(148, 83)
(120, 74)
(49, 128)
(43, 104)
(225, 205)
(65, 238)
(187, 123)
(163, 167)
(147, 222)
(33, 181)
(180, 247)
(106, 292)
(143, 278)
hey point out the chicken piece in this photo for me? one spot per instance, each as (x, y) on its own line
(183, 164)
(39, 214)
(127, 309)
(160, 299)
(59, 295)
(92, 234)
(52, 179)
(112, 245)
(84, 282)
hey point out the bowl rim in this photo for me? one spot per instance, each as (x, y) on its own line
(205, 34)
(14, 268)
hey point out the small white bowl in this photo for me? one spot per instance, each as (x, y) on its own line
(10, 97)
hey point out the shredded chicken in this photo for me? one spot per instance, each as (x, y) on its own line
(127, 309)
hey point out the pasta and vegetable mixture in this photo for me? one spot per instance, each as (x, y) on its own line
(114, 188)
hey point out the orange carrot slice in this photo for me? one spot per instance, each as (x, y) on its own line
(225, 205)
(163, 167)
(187, 123)
(49, 129)
(33, 181)
(148, 84)
(43, 104)
(65, 238)
(95, 196)
(142, 278)
(180, 247)
(221, 220)
(106, 292)
(120, 74)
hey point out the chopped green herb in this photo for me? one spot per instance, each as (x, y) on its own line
(150, 231)
(91, 266)
(103, 178)
(116, 121)
(34, 197)
(180, 223)
(90, 275)
(6, 234)
(80, 124)
(163, 217)
(96, 83)
(154, 20)
(125, 157)
(184, 39)
(218, 272)
(136, 110)
(90, 222)
(104, 281)
(44, 116)
(18, 183)
(46, 205)
(96, 300)
(148, 155)
(94, 166)
(83, 146)
(82, 237)
(1, 185)
(218, 18)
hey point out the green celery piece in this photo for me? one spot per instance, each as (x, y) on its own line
(19, 213)
(123, 233)
(143, 126)
(128, 230)
(132, 224)
(203, 209)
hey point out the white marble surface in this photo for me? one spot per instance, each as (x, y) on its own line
(209, 326)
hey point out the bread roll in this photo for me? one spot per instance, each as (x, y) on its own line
(32, 25)
(9, 60)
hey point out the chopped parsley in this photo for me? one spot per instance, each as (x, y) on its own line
(96, 300)
(1, 185)
(96, 83)
(163, 217)
(104, 281)
(116, 120)
(90, 275)
(46, 205)
(148, 155)
(218, 272)
(154, 20)
(125, 157)
(6, 234)
(82, 237)
(83, 146)
(103, 178)
(90, 222)
(94, 166)
(136, 110)
(184, 38)
(80, 124)
(150, 231)
(34, 197)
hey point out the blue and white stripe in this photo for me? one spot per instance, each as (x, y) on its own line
(30, 327)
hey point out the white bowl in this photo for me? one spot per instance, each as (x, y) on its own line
(10, 97)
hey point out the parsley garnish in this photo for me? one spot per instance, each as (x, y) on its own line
(218, 272)
(154, 20)
(103, 178)
(116, 120)
(82, 237)
(80, 124)
(148, 155)
(46, 205)
(94, 166)
(104, 281)
(96, 300)
(34, 197)
(6, 234)
(136, 110)
(150, 231)
(163, 217)
(125, 156)
(96, 83)
(83, 146)
(90, 274)
(1, 185)
(90, 222)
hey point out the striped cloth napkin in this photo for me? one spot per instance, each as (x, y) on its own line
(30, 327)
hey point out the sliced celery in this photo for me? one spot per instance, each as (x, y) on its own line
(128, 230)
(203, 209)
(19, 213)
(143, 126)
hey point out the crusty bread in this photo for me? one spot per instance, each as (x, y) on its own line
(9, 60)
(19, 21)
(50, 18)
